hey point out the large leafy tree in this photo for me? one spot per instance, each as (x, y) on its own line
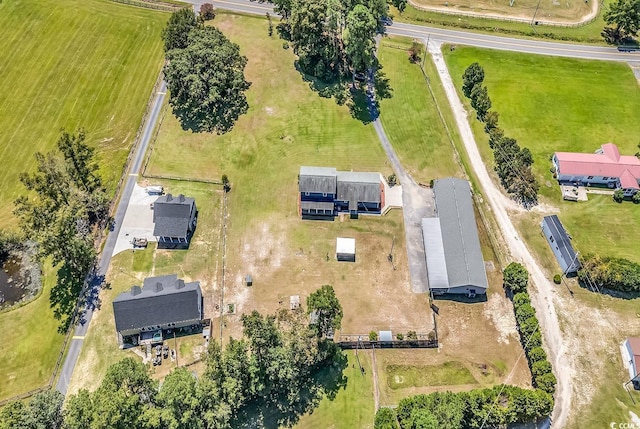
(206, 81)
(65, 205)
(472, 76)
(178, 27)
(624, 18)
(358, 37)
(515, 277)
(326, 306)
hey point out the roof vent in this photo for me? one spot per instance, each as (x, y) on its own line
(158, 287)
(136, 290)
(179, 284)
(169, 197)
(181, 198)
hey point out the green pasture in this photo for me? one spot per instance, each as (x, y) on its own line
(65, 64)
(557, 104)
(69, 64)
(288, 125)
(410, 117)
(448, 373)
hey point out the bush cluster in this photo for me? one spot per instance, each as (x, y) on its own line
(611, 273)
(516, 279)
(512, 163)
(500, 406)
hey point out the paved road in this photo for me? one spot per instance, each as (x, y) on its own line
(105, 258)
(461, 37)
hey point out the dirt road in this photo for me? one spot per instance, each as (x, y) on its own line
(544, 296)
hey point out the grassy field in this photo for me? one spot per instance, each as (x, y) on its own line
(68, 64)
(129, 268)
(584, 104)
(410, 117)
(353, 405)
(588, 33)
(446, 374)
(31, 344)
(553, 104)
(65, 64)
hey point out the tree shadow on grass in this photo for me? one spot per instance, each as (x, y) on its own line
(280, 411)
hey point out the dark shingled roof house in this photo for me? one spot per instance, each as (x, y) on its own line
(174, 220)
(164, 302)
(452, 247)
(324, 192)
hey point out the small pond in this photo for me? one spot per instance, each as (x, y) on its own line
(12, 285)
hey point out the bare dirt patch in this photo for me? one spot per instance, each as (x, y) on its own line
(295, 257)
(545, 11)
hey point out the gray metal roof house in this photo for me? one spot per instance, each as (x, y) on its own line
(560, 243)
(324, 192)
(174, 219)
(360, 191)
(164, 302)
(452, 247)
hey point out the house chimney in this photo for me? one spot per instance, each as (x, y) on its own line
(169, 197)
(179, 284)
(181, 198)
(136, 290)
(158, 287)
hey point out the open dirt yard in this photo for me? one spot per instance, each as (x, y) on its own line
(295, 257)
(544, 11)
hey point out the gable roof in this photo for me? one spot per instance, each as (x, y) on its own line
(358, 187)
(465, 265)
(171, 215)
(606, 162)
(161, 300)
(561, 239)
(434, 252)
(317, 180)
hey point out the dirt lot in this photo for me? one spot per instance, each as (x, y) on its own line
(295, 257)
(548, 11)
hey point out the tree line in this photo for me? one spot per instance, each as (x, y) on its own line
(493, 407)
(204, 72)
(610, 272)
(278, 371)
(333, 39)
(512, 163)
(516, 280)
(63, 210)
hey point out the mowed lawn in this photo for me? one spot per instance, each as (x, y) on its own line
(287, 126)
(555, 104)
(410, 117)
(69, 64)
(65, 64)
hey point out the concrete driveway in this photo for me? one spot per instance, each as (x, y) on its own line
(138, 220)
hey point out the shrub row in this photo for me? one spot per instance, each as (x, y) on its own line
(495, 407)
(516, 278)
(611, 273)
(512, 163)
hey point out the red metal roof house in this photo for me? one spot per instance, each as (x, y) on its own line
(604, 167)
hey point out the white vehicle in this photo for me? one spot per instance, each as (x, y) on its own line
(155, 190)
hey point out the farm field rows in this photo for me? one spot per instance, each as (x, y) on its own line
(552, 104)
(65, 64)
(70, 64)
